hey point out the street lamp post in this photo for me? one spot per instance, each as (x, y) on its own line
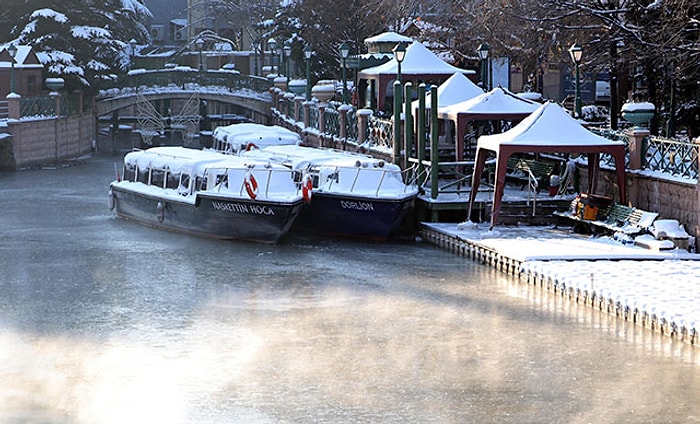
(344, 52)
(287, 55)
(399, 55)
(272, 44)
(200, 44)
(575, 51)
(483, 52)
(307, 55)
(12, 51)
(256, 51)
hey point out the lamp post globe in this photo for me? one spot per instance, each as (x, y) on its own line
(399, 55)
(576, 53)
(483, 52)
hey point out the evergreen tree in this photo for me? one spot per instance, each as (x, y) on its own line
(81, 41)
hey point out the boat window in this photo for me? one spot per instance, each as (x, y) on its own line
(142, 175)
(129, 172)
(173, 180)
(184, 186)
(157, 177)
(200, 183)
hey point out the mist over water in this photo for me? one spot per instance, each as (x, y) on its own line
(106, 321)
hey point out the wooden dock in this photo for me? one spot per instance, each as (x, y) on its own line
(485, 253)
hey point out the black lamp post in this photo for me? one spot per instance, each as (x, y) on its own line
(483, 52)
(575, 51)
(272, 44)
(287, 55)
(256, 51)
(12, 51)
(200, 44)
(399, 55)
(307, 55)
(344, 52)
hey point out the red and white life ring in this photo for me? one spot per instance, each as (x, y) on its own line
(306, 187)
(251, 185)
(250, 146)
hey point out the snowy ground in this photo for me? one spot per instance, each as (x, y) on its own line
(664, 284)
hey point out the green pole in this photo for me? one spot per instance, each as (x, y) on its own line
(408, 125)
(421, 129)
(433, 143)
(397, 123)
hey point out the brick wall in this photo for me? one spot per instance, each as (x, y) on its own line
(50, 141)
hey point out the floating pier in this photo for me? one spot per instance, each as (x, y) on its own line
(604, 275)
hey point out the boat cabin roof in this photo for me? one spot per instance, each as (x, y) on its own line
(184, 160)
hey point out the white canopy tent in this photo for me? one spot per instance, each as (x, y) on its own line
(420, 64)
(550, 129)
(497, 104)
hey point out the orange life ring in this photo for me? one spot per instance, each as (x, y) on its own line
(306, 187)
(250, 146)
(251, 185)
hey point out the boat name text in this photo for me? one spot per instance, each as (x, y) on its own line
(358, 206)
(243, 208)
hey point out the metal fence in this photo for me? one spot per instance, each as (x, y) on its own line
(182, 77)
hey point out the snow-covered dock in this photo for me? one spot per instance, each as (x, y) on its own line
(659, 290)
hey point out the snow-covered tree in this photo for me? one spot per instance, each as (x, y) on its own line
(81, 41)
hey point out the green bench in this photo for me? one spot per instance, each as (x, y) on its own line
(615, 218)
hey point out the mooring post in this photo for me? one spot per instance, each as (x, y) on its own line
(420, 128)
(407, 126)
(397, 123)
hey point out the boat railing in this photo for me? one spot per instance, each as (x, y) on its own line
(253, 181)
(365, 180)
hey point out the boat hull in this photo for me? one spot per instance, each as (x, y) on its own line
(354, 217)
(210, 216)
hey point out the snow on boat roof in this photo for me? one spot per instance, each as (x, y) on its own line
(244, 133)
(318, 156)
(184, 160)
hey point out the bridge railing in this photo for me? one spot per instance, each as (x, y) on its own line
(183, 77)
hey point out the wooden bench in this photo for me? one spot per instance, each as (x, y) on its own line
(615, 218)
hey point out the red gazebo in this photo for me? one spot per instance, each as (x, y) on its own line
(550, 129)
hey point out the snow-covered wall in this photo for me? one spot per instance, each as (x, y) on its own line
(47, 141)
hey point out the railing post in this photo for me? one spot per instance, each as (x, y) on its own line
(13, 105)
(321, 123)
(297, 107)
(56, 96)
(635, 145)
(362, 125)
(342, 121)
(307, 109)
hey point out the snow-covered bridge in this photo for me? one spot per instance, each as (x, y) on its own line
(250, 95)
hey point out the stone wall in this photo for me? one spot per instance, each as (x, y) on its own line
(48, 141)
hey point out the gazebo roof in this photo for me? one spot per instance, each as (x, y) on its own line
(548, 126)
(455, 89)
(389, 37)
(418, 61)
(498, 101)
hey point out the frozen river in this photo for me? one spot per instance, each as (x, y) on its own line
(105, 321)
